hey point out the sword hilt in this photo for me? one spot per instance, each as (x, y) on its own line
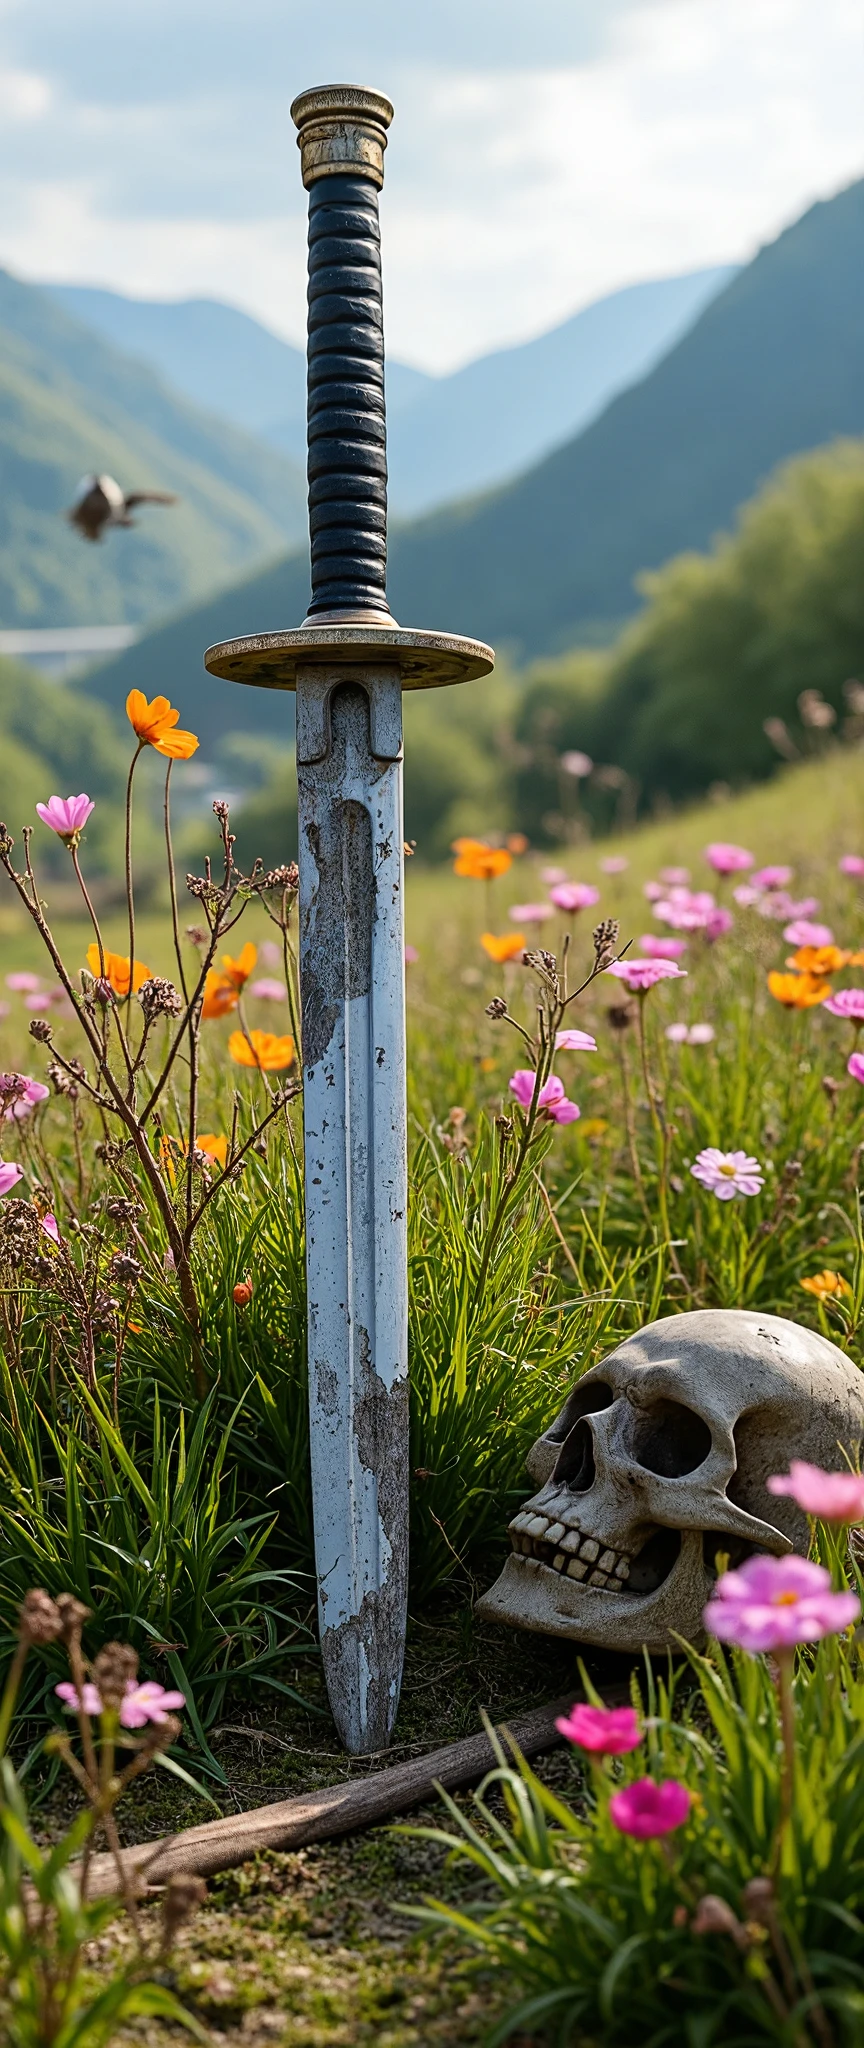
(342, 138)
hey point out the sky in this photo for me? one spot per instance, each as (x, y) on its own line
(543, 152)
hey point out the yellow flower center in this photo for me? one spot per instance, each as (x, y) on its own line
(786, 1600)
(729, 1170)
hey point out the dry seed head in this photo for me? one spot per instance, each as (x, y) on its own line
(159, 998)
(41, 1620)
(605, 936)
(114, 1668)
(73, 1615)
(181, 1898)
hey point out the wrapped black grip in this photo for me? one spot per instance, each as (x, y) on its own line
(347, 432)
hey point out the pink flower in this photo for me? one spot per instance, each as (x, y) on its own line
(727, 1173)
(647, 1809)
(23, 984)
(802, 933)
(689, 1034)
(89, 1700)
(675, 876)
(640, 975)
(31, 1093)
(772, 878)
(653, 891)
(851, 864)
(411, 956)
(548, 875)
(148, 1702)
(747, 895)
(687, 910)
(10, 1174)
(268, 990)
(51, 1227)
(831, 1496)
(855, 1066)
(39, 1000)
(144, 1701)
(271, 954)
(614, 864)
(576, 763)
(777, 904)
(718, 924)
(727, 859)
(662, 949)
(575, 1041)
(772, 1603)
(848, 1002)
(572, 896)
(66, 815)
(551, 1097)
(530, 913)
(605, 1731)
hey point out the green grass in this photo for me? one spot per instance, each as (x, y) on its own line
(187, 1526)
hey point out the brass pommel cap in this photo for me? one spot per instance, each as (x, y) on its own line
(343, 128)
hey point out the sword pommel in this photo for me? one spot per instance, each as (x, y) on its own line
(343, 129)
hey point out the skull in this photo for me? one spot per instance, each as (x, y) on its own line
(658, 1460)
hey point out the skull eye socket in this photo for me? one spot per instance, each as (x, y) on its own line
(670, 1439)
(586, 1399)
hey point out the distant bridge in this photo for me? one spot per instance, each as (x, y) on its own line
(61, 651)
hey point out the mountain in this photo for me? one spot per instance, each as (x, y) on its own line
(219, 357)
(487, 422)
(771, 368)
(70, 403)
(447, 435)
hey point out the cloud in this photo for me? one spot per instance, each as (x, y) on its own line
(538, 157)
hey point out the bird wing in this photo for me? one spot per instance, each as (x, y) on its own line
(150, 498)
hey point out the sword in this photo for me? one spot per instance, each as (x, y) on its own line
(349, 662)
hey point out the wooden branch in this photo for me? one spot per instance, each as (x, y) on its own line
(343, 1809)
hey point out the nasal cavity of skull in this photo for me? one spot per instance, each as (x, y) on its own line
(670, 1439)
(575, 1465)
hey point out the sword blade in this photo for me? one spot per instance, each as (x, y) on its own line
(353, 1000)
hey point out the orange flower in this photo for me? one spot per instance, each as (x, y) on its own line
(826, 1284)
(481, 863)
(797, 991)
(152, 724)
(241, 1295)
(220, 995)
(508, 947)
(261, 1049)
(819, 961)
(238, 971)
(116, 970)
(517, 843)
(215, 1148)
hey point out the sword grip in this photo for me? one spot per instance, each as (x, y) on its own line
(342, 138)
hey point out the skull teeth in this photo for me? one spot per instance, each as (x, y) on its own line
(546, 1540)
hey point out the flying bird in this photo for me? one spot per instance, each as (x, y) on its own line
(99, 503)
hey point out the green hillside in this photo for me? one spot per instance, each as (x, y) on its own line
(771, 369)
(69, 403)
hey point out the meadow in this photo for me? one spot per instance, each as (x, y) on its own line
(153, 1431)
